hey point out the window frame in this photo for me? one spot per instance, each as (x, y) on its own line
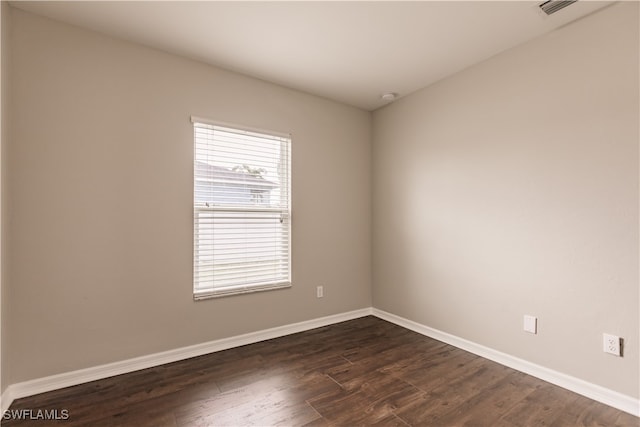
(283, 211)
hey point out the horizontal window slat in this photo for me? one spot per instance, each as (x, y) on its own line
(276, 268)
(238, 251)
(231, 261)
(263, 275)
(250, 154)
(258, 276)
(228, 223)
(231, 281)
(241, 279)
(199, 294)
(200, 123)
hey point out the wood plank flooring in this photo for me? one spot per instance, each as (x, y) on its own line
(361, 372)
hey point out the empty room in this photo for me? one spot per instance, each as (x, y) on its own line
(334, 213)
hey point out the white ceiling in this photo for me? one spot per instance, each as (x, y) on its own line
(350, 52)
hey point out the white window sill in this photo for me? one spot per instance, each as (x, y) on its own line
(238, 290)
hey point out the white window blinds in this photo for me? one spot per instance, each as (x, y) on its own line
(241, 212)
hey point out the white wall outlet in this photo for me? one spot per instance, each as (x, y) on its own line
(531, 324)
(319, 291)
(611, 344)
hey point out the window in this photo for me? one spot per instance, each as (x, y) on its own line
(241, 210)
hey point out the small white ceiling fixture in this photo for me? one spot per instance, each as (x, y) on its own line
(327, 48)
(388, 97)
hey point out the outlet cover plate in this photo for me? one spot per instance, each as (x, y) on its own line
(611, 344)
(530, 324)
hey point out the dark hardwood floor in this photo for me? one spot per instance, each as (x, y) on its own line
(361, 372)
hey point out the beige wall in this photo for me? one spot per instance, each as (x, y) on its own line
(511, 188)
(4, 56)
(100, 190)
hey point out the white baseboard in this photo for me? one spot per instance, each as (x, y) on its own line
(6, 399)
(592, 391)
(67, 379)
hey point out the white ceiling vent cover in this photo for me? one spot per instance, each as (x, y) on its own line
(552, 6)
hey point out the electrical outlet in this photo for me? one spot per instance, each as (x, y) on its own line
(611, 344)
(531, 324)
(319, 291)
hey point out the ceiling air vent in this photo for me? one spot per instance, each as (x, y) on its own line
(552, 6)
